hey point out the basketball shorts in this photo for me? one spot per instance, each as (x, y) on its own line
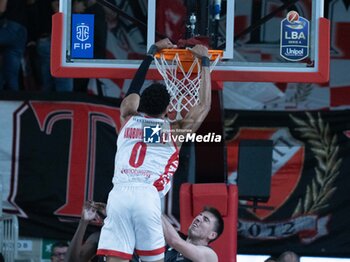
(133, 222)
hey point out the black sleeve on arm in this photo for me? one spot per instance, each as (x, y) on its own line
(140, 75)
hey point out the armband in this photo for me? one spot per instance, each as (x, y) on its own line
(205, 61)
(152, 50)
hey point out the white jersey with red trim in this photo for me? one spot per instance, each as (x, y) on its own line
(144, 156)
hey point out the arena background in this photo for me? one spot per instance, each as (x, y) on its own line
(57, 150)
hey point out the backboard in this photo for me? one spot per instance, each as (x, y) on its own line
(262, 40)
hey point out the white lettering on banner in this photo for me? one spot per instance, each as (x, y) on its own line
(307, 227)
(8, 110)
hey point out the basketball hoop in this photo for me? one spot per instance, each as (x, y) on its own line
(181, 71)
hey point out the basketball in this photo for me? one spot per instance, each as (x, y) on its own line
(292, 16)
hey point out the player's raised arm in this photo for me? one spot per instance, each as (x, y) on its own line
(196, 115)
(131, 101)
(79, 251)
(196, 253)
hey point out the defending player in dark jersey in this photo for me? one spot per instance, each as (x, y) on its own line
(205, 228)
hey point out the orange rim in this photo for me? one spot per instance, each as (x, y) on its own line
(185, 55)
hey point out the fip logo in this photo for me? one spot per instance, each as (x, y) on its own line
(83, 32)
(152, 134)
(82, 36)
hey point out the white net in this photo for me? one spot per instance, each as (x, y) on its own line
(182, 84)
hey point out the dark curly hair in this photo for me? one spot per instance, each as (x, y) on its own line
(154, 100)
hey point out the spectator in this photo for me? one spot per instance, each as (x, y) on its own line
(13, 39)
(270, 259)
(100, 35)
(288, 256)
(45, 9)
(58, 251)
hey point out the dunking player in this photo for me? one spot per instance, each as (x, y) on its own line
(143, 171)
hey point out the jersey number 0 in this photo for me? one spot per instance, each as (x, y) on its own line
(138, 154)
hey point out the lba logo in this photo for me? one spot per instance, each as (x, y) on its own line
(294, 44)
(152, 134)
(82, 36)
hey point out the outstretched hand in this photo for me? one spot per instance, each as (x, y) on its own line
(199, 51)
(93, 212)
(89, 212)
(164, 43)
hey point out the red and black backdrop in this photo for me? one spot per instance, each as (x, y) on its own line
(57, 151)
(310, 182)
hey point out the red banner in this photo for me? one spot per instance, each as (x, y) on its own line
(310, 181)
